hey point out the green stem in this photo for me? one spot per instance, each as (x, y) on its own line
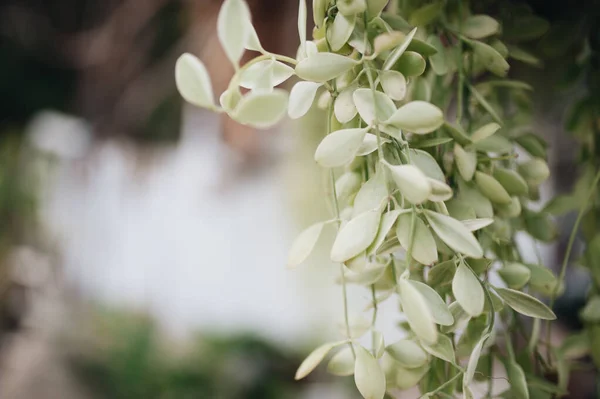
(443, 386)
(336, 207)
(563, 269)
(374, 319)
(461, 72)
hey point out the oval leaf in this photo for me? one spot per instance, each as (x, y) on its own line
(261, 109)
(302, 96)
(439, 310)
(233, 28)
(341, 29)
(344, 107)
(313, 360)
(368, 375)
(342, 363)
(454, 234)
(321, 67)
(265, 75)
(340, 147)
(417, 313)
(467, 291)
(355, 236)
(393, 84)
(515, 275)
(193, 81)
(424, 249)
(412, 183)
(304, 244)
(480, 26)
(443, 348)
(371, 108)
(491, 188)
(417, 117)
(408, 353)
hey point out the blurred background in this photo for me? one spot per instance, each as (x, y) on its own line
(143, 242)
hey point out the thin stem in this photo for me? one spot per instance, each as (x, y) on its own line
(374, 319)
(563, 269)
(461, 72)
(336, 207)
(443, 386)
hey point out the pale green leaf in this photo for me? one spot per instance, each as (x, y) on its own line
(417, 117)
(377, 107)
(575, 346)
(408, 378)
(302, 24)
(322, 67)
(262, 109)
(387, 221)
(512, 182)
(443, 349)
(374, 7)
(424, 249)
(515, 274)
(412, 182)
(355, 236)
(408, 353)
(340, 147)
(367, 276)
(525, 304)
(438, 61)
(347, 184)
(439, 310)
(302, 97)
(535, 171)
(319, 11)
(371, 194)
(475, 200)
(426, 14)
(368, 375)
(369, 145)
(393, 84)
(265, 75)
(491, 188)
(343, 107)
(417, 312)
(313, 360)
(491, 59)
(440, 191)
(431, 142)
(466, 161)
(193, 81)
(473, 360)
(230, 98)
(591, 311)
(341, 29)
(411, 64)
(460, 318)
(351, 7)
(233, 28)
(428, 165)
(477, 224)
(379, 344)
(342, 363)
(485, 131)
(303, 245)
(468, 291)
(480, 26)
(517, 380)
(454, 234)
(387, 41)
(253, 42)
(483, 102)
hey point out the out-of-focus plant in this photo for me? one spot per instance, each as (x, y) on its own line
(426, 192)
(119, 354)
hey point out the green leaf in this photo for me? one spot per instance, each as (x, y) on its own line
(252, 41)
(393, 84)
(417, 117)
(468, 291)
(459, 315)
(379, 344)
(321, 67)
(408, 378)
(302, 24)
(439, 310)
(424, 249)
(387, 41)
(373, 107)
(411, 182)
(477, 224)
(230, 98)
(313, 360)
(442, 273)
(368, 276)
(408, 353)
(473, 360)
(265, 75)
(511, 210)
(374, 7)
(319, 11)
(575, 346)
(233, 28)
(411, 64)
(483, 102)
(422, 47)
(496, 143)
(342, 363)
(420, 90)
(532, 144)
(454, 234)
(261, 109)
(417, 312)
(515, 275)
(440, 191)
(535, 171)
(562, 204)
(491, 59)
(525, 304)
(387, 221)
(302, 96)
(457, 133)
(397, 53)
(491, 188)
(193, 81)
(480, 26)
(303, 245)
(485, 131)
(341, 29)
(426, 14)
(355, 236)
(466, 161)
(340, 147)
(591, 311)
(371, 194)
(524, 56)
(438, 60)
(443, 348)
(542, 279)
(428, 165)
(369, 145)
(343, 107)
(368, 375)
(516, 377)
(474, 199)
(512, 182)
